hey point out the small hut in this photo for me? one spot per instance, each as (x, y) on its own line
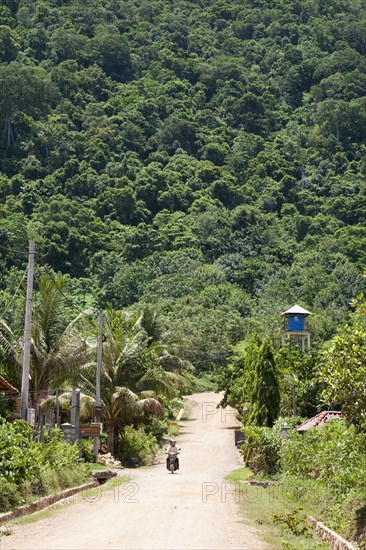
(12, 393)
(319, 420)
(296, 326)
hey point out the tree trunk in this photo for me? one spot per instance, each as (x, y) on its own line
(9, 136)
(111, 435)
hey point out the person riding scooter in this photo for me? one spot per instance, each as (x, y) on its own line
(173, 449)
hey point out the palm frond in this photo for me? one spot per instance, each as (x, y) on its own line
(8, 341)
(147, 393)
(150, 406)
(48, 404)
(152, 324)
(125, 395)
(85, 316)
(162, 382)
(87, 404)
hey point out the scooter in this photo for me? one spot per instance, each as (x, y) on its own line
(172, 462)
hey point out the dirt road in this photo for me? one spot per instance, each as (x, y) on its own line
(193, 508)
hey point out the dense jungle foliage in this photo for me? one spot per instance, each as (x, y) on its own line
(30, 470)
(205, 157)
(194, 168)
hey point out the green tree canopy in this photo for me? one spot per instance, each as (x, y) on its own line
(344, 371)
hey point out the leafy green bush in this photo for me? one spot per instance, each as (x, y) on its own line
(87, 454)
(20, 457)
(157, 428)
(261, 449)
(295, 522)
(62, 459)
(57, 452)
(333, 459)
(202, 383)
(29, 469)
(334, 455)
(9, 495)
(324, 470)
(6, 406)
(136, 447)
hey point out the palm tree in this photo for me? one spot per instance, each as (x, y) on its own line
(132, 380)
(135, 380)
(57, 348)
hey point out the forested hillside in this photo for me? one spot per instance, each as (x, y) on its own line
(207, 157)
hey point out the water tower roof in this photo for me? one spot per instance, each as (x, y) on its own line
(297, 310)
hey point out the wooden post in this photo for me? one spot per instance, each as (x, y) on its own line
(57, 409)
(77, 414)
(73, 402)
(77, 418)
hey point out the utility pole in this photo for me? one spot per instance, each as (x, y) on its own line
(98, 408)
(27, 332)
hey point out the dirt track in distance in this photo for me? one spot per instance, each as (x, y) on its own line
(191, 509)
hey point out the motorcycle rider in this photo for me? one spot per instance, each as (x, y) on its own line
(173, 449)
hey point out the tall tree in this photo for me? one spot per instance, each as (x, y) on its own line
(265, 388)
(344, 372)
(133, 382)
(57, 347)
(23, 89)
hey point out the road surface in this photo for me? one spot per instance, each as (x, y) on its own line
(192, 509)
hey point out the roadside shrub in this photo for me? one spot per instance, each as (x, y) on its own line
(86, 453)
(334, 455)
(62, 459)
(136, 447)
(20, 458)
(157, 428)
(9, 495)
(262, 446)
(29, 469)
(324, 471)
(334, 458)
(6, 406)
(260, 449)
(57, 452)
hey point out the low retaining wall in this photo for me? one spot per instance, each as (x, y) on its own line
(335, 541)
(45, 501)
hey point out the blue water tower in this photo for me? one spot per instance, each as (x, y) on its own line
(295, 326)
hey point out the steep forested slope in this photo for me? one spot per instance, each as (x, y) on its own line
(208, 157)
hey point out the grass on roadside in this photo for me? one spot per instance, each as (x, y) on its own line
(96, 492)
(90, 495)
(188, 406)
(279, 511)
(239, 475)
(96, 466)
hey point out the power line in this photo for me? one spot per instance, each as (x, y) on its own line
(14, 295)
(67, 299)
(11, 249)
